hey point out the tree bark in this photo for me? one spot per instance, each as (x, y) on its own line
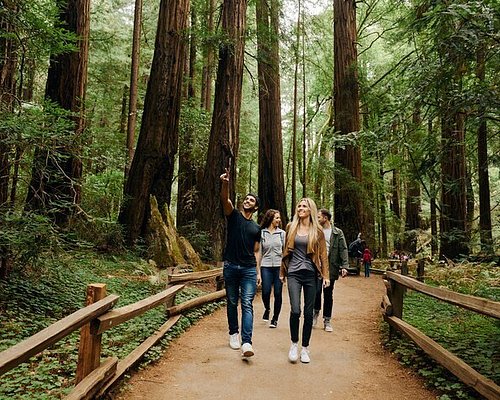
(348, 200)
(8, 69)
(56, 175)
(412, 217)
(134, 78)
(295, 111)
(271, 178)
(482, 161)
(208, 60)
(151, 172)
(188, 172)
(453, 237)
(224, 133)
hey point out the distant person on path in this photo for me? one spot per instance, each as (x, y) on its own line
(241, 274)
(355, 251)
(338, 262)
(304, 258)
(367, 261)
(272, 241)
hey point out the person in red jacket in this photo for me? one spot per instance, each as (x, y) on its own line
(367, 261)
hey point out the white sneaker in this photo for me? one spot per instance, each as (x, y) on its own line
(247, 350)
(315, 319)
(328, 326)
(304, 355)
(293, 354)
(234, 341)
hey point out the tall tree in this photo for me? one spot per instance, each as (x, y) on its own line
(348, 197)
(151, 172)
(134, 76)
(482, 161)
(453, 237)
(188, 171)
(8, 69)
(208, 58)
(55, 182)
(412, 208)
(295, 112)
(271, 179)
(224, 134)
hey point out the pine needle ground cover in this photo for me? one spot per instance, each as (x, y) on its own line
(472, 337)
(31, 301)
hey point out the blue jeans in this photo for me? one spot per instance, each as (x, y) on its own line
(307, 281)
(240, 282)
(271, 280)
(367, 269)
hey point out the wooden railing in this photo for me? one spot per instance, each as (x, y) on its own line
(392, 308)
(380, 266)
(93, 376)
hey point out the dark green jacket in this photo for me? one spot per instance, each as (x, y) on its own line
(337, 257)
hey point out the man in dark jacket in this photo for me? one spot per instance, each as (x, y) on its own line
(338, 261)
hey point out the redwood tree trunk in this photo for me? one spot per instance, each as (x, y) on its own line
(152, 168)
(8, 67)
(208, 60)
(348, 177)
(412, 217)
(56, 175)
(453, 235)
(188, 172)
(271, 178)
(482, 161)
(224, 134)
(134, 78)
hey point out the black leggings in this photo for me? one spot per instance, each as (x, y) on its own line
(298, 281)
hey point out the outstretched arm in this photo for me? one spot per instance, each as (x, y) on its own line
(227, 205)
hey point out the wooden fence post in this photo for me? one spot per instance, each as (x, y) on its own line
(404, 267)
(170, 302)
(89, 351)
(396, 296)
(420, 270)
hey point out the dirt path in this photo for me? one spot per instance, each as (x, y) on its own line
(346, 364)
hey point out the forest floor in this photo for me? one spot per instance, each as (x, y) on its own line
(349, 363)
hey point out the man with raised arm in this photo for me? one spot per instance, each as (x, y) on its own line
(241, 272)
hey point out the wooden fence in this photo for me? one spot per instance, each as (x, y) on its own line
(392, 308)
(93, 376)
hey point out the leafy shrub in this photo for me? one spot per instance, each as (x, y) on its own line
(471, 336)
(103, 234)
(24, 237)
(31, 302)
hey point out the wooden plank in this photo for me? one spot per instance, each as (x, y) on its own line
(377, 271)
(89, 349)
(137, 354)
(455, 365)
(477, 304)
(30, 347)
(198, 301)
(90, 385)
(194, 276)
(120, 315)
(386, 305)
